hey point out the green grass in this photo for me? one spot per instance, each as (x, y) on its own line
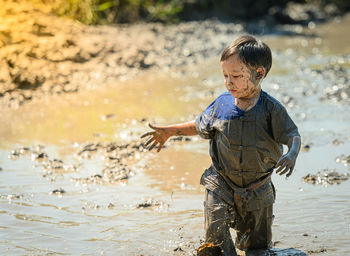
(114, 11)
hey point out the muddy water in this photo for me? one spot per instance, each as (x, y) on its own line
(93, 219)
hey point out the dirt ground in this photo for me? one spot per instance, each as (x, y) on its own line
(41, 54)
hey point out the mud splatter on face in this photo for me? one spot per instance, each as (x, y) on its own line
(240, 79)
(253, 76)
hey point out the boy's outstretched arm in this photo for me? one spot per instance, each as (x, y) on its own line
(287, 162)
(162, 133)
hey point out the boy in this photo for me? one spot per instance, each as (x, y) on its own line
(246, 128)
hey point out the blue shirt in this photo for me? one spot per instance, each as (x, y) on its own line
(245, 145)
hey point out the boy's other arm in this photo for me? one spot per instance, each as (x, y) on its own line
(161, 133)
(287, 162)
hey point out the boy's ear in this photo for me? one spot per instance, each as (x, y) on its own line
(260, 73)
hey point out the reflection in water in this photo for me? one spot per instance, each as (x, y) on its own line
(97, 115)
(96, 219)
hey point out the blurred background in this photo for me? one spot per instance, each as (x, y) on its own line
(123, 11)
(80, 80)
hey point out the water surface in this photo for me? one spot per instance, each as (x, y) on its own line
(33, 221)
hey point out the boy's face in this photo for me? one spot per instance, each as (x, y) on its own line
(240, 80)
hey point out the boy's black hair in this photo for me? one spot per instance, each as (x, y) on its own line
(254, 53)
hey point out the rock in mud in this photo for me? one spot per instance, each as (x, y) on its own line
(326, 177)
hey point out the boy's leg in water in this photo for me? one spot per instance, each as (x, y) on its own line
(254, 230)
(218, 217)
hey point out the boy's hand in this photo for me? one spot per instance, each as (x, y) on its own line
(159, 136)
(286, 164)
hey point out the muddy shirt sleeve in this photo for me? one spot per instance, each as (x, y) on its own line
(204, 122)
(283, 127)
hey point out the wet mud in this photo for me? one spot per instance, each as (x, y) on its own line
(326, 177)
(109, 187)
(47, 55)
(339, 90)
(121, 161)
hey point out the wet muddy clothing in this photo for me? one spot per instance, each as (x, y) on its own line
(250, 216)
(244, 148)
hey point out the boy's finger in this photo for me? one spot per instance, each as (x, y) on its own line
(146, 134)
(280, 161)
(153, 145)
(279, 169)
(291, 171)
(149, 141)
(160, 147)
(151, 126)
(285, 170)
(281, 166)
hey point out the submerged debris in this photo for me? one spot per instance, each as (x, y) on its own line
(14, 154)
(39, 156)
(36, 154)
(10, 196)
(120, 160)
(116, 174)
(109, 175)
(337, 142)
(110, 206)
(326, 177)
(339, 89)
(58, 191)
(180, 138)
(343, 159)
(86, 150)
(306, 147)
(317, 251)
(150, 203)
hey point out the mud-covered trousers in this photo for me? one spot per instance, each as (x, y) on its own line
(253, 229)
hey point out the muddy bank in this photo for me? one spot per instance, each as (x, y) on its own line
(46, 55)
(274, 12)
